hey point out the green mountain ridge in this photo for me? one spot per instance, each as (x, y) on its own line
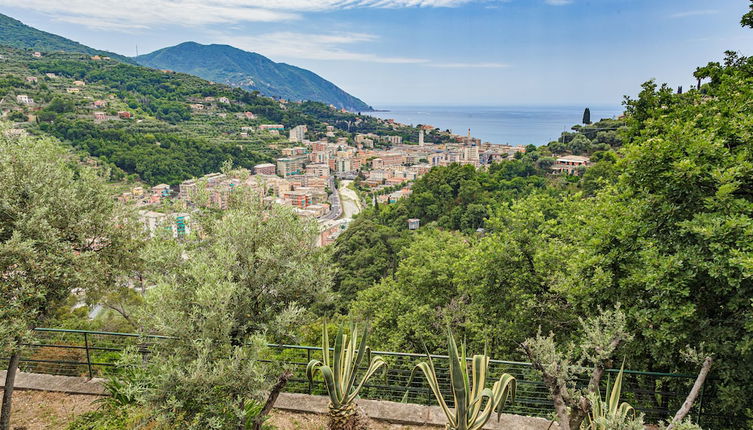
(219, 63)
(16, 34)
(250, 71)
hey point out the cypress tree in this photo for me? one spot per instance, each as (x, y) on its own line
(587, 116)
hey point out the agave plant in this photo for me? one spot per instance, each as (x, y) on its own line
(474, 401)
(607, 414)
(339, 375)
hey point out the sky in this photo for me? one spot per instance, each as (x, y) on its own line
(430, 52)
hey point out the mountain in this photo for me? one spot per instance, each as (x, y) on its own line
(16, 34)
(251, 71)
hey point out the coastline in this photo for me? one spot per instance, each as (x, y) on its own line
(511, 124)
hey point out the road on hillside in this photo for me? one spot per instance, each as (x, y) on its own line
(334, 201)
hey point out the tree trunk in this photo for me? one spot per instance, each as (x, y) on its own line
(10, 379)
(683, 412)
(349, 417)
(272, 398)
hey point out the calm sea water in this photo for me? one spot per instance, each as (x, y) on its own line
(514, 125)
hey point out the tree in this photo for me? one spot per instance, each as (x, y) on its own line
(250, 279)
(672, 236)
(747, 19)
(17, 116)
(59, 231)
(587, 116)
(601, 336)
(409, 310)
(365, 253)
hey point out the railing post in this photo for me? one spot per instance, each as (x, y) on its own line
(88, 358)
(308, 356)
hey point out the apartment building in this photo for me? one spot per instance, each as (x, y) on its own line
(159, 192)
(299, 199)
(265, 169)
(570, 164)
(288, 166)
(178, 224)
(319, 169)
(298, 133)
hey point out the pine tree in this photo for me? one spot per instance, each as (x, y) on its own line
(587, 116)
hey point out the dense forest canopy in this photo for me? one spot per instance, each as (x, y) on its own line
(660, 224)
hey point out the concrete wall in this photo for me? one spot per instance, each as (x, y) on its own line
(393, 412)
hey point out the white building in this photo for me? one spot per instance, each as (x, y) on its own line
(177, 223)
(298, 133)
(24, 99)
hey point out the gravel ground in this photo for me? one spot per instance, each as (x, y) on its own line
(283, 420)
(42, 410)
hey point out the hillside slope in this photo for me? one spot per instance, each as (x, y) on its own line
(251, 71)
(16, 34)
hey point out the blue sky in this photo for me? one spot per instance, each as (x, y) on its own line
(461, 52)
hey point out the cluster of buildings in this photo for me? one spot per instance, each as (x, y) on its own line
(304, 176)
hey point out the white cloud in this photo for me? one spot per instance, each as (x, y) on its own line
(313, 46)
(558, 2)
(135, 14)
(331, 47)
(694, 13)
(470, 65)
(119, 15)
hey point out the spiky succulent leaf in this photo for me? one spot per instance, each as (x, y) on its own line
(474, 402)
(339, 373)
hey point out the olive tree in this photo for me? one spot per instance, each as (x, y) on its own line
(247, 279)
(601, 336)
(60, 230)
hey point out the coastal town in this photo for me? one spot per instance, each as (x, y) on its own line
(328, 173)
(316, 178)
(325, 174)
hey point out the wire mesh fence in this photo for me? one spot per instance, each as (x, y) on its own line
(655, 394)
(96, 354)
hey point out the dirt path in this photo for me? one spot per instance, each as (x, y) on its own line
(283, 420)
(42, 410)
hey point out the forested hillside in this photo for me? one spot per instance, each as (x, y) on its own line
(16, 34)
(178, 127)
(250, 71)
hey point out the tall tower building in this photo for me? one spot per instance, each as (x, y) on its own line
(421, 137)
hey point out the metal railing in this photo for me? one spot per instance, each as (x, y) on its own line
(95, 354)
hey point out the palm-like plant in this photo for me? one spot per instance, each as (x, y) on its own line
(610, 412)
(339, 375)
(474, 401)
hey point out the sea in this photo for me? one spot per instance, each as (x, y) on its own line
(513, 125)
